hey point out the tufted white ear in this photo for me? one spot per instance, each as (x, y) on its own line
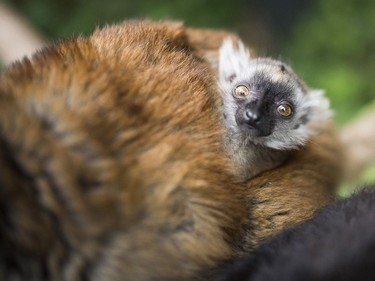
(233, 60)
(320, 110)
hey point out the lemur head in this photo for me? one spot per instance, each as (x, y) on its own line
(265, 102)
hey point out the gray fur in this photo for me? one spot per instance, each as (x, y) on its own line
(269, 81)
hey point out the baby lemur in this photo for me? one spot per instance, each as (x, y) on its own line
(268, 110)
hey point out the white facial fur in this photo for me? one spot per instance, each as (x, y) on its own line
(236, 67)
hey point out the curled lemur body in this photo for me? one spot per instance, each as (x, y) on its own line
(268, 110)
(112, 163)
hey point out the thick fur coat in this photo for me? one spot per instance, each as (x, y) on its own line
(112, 164)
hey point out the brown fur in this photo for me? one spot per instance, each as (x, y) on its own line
(112, 164)
(293, 192)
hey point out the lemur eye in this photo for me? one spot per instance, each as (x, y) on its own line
(241, 91)
(285, 110)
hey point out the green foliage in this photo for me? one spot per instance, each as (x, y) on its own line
(333, 48)
(64, 18)
(367, 177)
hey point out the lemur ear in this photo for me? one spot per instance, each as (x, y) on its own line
(320, 110)
(233, 59)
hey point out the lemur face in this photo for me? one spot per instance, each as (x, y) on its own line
(265, 102)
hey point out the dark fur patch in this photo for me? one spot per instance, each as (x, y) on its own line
(338, 244)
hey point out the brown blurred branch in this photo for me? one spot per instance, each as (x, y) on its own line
(359, 140)
(17, 39)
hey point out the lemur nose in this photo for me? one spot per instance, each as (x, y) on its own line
(251, 117)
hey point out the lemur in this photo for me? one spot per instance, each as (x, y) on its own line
(267, 109)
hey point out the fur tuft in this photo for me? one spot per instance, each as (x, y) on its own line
(320, 108)
(232, 60)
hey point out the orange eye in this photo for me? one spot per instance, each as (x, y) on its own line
(241, 91)
(285, 110)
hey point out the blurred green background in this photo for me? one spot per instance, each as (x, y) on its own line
(330, 44)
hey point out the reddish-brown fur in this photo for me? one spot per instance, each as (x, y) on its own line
(112, 164)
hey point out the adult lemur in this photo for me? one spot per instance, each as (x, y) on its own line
(113, 164)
